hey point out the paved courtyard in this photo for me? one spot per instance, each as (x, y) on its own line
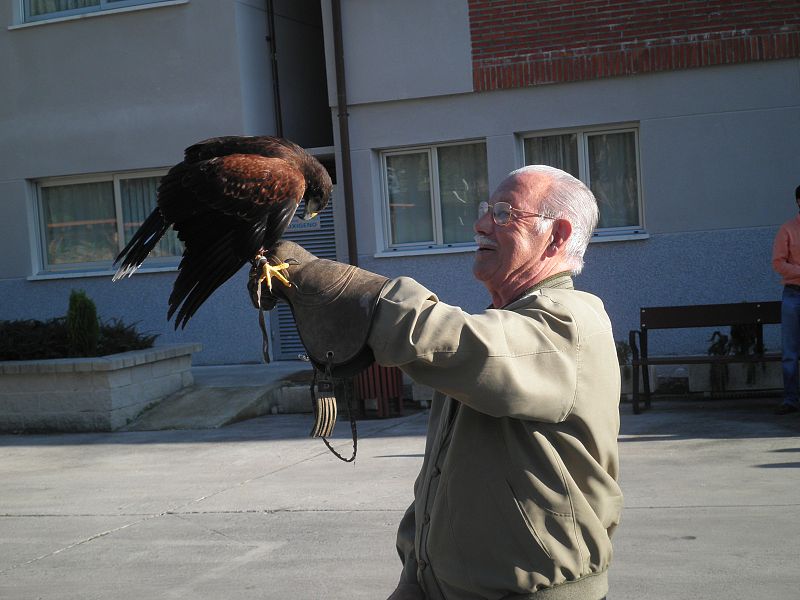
(259, 511)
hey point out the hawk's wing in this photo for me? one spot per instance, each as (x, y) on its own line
(242, 144)
(225, 210)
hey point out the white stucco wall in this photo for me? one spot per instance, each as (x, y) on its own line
(719, 149)
(119, 92)
(711, 140)
(400, 50)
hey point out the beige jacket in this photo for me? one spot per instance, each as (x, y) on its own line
(518, 494)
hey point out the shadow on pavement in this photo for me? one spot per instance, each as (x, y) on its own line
(707, 419)
(260, 429)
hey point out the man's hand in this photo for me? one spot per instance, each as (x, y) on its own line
(407, 591)
(332, 303)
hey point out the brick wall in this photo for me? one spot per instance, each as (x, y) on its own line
(518, 43)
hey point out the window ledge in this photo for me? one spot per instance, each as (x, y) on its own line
(82, 274)
(98, 13)
(620, 237)
(422, 250)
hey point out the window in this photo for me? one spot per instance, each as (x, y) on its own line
(37, 10)
(86, 222)
(431, 194)
(605, 160)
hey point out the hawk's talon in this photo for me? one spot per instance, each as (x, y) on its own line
(268, 271)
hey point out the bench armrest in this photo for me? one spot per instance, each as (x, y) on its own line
(632, 343)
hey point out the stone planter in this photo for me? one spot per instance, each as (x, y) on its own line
(767, 376)
(90, 394)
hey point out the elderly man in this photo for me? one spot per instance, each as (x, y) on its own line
(518, 494)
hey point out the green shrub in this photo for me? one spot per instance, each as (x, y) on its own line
(33, 340)
(116, 336)
(83, 328)
(78, 334)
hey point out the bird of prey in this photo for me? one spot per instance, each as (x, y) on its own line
(229, 201)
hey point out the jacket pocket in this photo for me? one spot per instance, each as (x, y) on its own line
(528, 522)
(552, 525)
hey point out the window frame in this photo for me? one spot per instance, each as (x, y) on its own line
(96, 266)
(386, 245)
(104, 6)
(582, 134)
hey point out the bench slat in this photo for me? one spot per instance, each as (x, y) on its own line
(710, 315)
(697, 360)
(702, 315)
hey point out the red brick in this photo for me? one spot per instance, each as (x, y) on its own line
(554, 40)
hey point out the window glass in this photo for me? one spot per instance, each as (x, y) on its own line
(604, 160)
(613, 178)
(559, 151)
(408, 180)
(79, 221)
(462, 186)
(40, 10)
(45, 7)
(138, 196)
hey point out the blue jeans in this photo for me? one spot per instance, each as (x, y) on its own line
(790, 335)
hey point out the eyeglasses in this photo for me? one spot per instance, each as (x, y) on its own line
(503, 211)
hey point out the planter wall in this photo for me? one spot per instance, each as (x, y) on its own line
(90, 394)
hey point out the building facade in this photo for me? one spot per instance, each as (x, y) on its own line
(100, 99)
(683, 117)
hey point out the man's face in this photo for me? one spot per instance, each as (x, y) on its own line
(513, 253)
(797, 201)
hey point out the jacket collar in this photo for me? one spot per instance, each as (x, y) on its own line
(561, 280)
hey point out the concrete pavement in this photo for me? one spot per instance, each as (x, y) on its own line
(256, 510)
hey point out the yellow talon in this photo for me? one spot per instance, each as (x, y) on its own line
(269, 271)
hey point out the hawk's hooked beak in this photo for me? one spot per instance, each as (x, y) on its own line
(307, 216)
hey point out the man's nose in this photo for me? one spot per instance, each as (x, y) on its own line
(484, 224)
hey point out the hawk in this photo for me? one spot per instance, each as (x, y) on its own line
(229, 200)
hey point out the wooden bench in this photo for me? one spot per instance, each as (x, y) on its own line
(705, 315)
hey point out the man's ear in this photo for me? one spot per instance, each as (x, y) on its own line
(562, 229)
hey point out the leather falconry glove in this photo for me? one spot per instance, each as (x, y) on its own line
(333, 305)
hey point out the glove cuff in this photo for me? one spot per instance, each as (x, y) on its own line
(334, 323)
(333, 305)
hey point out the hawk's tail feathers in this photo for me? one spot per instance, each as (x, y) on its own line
(141, 244)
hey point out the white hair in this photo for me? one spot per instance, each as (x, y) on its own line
(569, 199)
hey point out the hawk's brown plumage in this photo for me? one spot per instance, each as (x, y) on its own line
(229, 200)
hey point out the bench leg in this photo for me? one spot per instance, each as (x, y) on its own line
(645, 369)
(632, 335)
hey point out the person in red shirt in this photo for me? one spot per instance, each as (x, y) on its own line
(786, 262)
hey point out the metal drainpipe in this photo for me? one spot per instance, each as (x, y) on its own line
(344, 133)
(273, 52)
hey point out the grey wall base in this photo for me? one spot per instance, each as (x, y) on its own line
(90, 394)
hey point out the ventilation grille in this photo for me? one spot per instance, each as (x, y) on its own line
(320, 241)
